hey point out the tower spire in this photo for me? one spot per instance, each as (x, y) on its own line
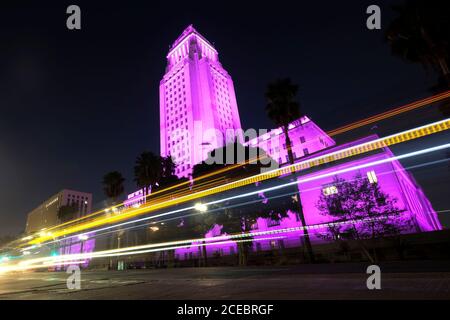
(196, 96)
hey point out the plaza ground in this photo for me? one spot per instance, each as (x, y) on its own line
(399, 280)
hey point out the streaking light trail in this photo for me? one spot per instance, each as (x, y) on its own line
(354, 125)
(306, 164)
(155, 228)
(390, 113)
(127, 250)
(71, 259)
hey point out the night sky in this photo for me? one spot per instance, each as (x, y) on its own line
(77, 104)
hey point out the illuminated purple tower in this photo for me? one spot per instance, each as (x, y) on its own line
(197, 102)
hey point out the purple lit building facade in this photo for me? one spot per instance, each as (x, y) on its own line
(306, 138)
(197, 95)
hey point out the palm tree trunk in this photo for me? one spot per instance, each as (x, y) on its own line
(170, 258)
(299, 202)
(241, 254)
(205, 254)
(445, 70)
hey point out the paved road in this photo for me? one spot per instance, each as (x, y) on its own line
(301, 282)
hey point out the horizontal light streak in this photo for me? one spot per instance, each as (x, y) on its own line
(390, 113)
(333, 173)
(97, 234)
(334, 156)
(153, 195)
(172, 245)
(354, 125)
(213, 240)
(69, 259)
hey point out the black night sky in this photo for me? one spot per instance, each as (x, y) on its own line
(77, 104)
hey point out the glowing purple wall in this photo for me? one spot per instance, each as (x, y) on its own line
(136, 198)
(306, 138)
(197, 102)
(392, 178)
(77, 246)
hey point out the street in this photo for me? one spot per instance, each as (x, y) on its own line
(338, 281)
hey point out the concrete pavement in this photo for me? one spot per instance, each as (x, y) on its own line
(344, 281)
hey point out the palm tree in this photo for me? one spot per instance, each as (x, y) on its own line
(282, 108)
(167, 166)
(113, 188)
(147, 170)
(113, 185)
(420, 34)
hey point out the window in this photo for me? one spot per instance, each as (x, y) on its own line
(302, 140)
(305, 151)
(372, 177)
(273, 223)
(329, 190)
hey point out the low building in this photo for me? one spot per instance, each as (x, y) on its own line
(46, 214)
(306, 138)
(380, 167)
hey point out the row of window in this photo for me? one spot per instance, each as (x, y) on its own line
(280, 160)
(176, 116)
(172, 82)
(274, 244)
(330, 190)
(223, 100)
(182, 168)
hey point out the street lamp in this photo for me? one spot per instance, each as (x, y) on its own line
(201, 207)
(83, 237)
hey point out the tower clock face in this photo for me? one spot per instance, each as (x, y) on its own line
(222, 150)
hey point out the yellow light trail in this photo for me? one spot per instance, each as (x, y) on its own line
(44, 261)
(354, 125)
(300, 181)
(154, 194)
(68, 259)
(73, 259)
(317, 161)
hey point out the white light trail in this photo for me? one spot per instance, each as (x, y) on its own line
(77, 258)
(317, 177)
(308, 163)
